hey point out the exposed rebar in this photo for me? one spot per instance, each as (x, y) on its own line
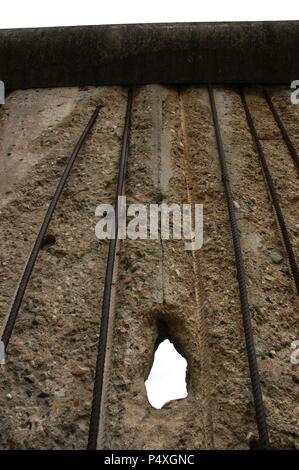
(273, 193)
(241, 275)
(20, 292)
(96, 416)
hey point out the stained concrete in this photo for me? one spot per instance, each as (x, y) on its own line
(247, 52)
(162, 291)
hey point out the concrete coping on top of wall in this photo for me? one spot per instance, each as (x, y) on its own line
(179, 53)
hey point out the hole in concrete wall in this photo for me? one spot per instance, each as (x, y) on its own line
(167, 378)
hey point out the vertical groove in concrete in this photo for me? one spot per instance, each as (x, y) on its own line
(201, 304)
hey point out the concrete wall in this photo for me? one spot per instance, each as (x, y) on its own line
(249, 52)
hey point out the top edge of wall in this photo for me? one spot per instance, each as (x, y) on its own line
(169, 53)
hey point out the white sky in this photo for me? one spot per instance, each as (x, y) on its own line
(167, 377)
(33, 13)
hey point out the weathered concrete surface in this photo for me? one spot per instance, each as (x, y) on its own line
(249, 52)
(161, 289)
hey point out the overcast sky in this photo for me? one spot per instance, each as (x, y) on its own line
(33, 13)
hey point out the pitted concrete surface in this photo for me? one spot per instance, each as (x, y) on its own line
(162, 290)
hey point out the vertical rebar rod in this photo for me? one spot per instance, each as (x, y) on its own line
(96, 416)
(273, 193)
(241, 275)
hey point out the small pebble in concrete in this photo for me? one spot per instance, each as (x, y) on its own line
(276, 257)
(128, 279)
(29, 378)
(250, 436)
(79, 371)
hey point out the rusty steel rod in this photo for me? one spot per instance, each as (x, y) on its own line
(273, 192)
(282, 128)
(17, 301)
(260, 412)
(97, 400)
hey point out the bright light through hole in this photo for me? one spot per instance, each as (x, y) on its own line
(167, 379)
